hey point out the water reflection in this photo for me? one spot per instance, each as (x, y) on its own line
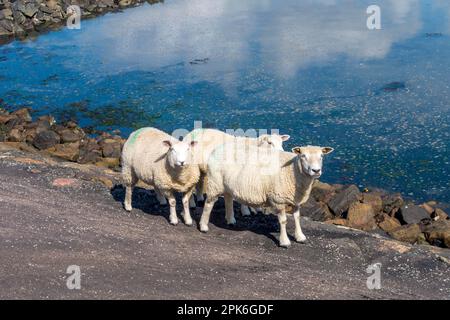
(285, 36)
(309, 68)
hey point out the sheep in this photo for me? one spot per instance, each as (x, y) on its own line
(163, 162)
(211, 139)
(263, 178)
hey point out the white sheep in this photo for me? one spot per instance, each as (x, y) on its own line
(163, 162)
(266, 178)
(211, 139)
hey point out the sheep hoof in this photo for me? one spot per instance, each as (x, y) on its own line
(204, 229)
(128, 207)
(231, 222)
(174, 222)
(300, 238)
(188, 222)
(285, 244)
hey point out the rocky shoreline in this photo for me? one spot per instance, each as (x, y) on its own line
(20, 19)
(345, 205)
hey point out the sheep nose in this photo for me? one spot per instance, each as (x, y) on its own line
(316, 170)
(181, 163)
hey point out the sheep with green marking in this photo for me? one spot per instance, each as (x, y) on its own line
(163, 162)
(212, 139)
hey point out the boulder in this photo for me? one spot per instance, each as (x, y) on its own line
(15, 135)
(317, 211)
(408, 233)
(340, 202)
(67, 151)
(111, 148)
(71, 135)
(90, 151)
(392, 202)
(388, 223)
(322, 192)
(374, 200)
(361, 216)
(438, 233)
(29, 9)
(411, 213)
(6, 118)
(46, 139)
(23, 114)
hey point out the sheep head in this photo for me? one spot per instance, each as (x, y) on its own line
(274, 141)
(179, 153)
(310, 159)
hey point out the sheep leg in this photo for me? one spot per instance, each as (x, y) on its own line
(229, 210)
(204, 220)
(162, 200)
(284, 239)
(199, 190)
(245, 211)
(299, 236)
(129, 180)
(186, 201)
(173, 219)
(192, 203)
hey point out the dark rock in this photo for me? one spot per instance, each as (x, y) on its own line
(392, 202)
(438, 233)
(68, 135)
(410, 213)
(322, 192)
(29, 9)
(111, 148)
(7, 25)
(90, 152)
(46, 139)
(317, 211)
(340, 203)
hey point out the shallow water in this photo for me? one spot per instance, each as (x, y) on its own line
(311, 69)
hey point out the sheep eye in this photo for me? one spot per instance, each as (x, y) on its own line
(303, 156)
(269, 142)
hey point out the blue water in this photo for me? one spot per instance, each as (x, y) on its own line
(311, 69)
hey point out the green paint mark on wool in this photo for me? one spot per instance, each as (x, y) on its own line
(135, 135)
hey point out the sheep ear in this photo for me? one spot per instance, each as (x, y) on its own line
(194, 143)
(327, 150)
(167, 143)
(297, 150)
(285, 137)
